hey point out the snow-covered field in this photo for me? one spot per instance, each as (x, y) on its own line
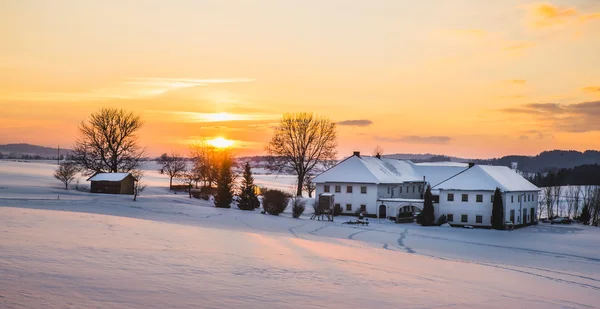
(71, 249)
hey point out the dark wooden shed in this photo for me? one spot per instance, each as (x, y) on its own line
(112, 183)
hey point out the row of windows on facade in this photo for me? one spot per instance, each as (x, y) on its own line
(338, 189)
(391, 189)
(479, 218)
(349, 207)
(479, 198)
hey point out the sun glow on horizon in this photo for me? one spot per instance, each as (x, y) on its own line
(220, 142)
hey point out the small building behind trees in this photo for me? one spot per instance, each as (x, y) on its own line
(112, 183)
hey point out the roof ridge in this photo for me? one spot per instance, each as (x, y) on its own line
(454, 176)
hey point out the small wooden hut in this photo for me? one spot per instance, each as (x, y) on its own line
(112, 183)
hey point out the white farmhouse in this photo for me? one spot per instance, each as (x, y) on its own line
(387, 188)
(467, 197)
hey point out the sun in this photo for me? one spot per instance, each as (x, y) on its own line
(220, 142)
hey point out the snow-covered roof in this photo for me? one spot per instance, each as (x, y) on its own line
(446, 163)
(357, 169)
(487, 178)
(365, 169)
(108, 177)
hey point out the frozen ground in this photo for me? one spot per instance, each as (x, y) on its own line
(167, 251)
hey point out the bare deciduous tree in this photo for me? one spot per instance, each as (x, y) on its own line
(300, 142)
(569, 199)
(66, 173)
(108, 142)
(576, 201)
(173, 166)
(205, 159)
(378, 151)
(548, 197)
(138, 186)
(309, 186)
(556, 191)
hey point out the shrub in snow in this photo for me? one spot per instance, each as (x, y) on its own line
(442, 219)
(406, 214)
(427, 215)
(247, 198)
(498, 211)
(298, 207)
(585, 215)
(275, 202)
(446, 225)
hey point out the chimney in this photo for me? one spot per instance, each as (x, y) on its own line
(471, 164)
(357, 154)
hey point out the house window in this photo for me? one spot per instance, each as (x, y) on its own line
(479, 198)
(326, 188)
(450, 197)
(512, 198)
(450, 217)
(338, 206)
(363, 207)
(338, 189)
(478, 219)
(465, 197)
(420, 188)
(400, 189)
(388, 190)
(413, 189)
(519, 198)
(348, 207)
(363, 190)
(464, 218)
(349, 189)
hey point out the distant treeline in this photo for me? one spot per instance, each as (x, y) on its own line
(588, 174)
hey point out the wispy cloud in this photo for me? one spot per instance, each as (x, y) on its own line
(356, 123)
(591, 89)
(544, 15)
(415, 139)
(216, 117)
(577, 117)
(133, 88)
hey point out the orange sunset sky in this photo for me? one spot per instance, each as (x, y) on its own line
(465, 78)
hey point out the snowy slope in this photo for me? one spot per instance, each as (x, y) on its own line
(168, 251)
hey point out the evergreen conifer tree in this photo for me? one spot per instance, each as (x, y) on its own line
(247, 198)
(585, 215)
(498, 211)
(224, 194)
(428, 214)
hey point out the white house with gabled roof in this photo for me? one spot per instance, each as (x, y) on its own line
(388, 187)
(467, 198)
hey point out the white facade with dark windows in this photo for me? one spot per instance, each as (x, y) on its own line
(387, 188)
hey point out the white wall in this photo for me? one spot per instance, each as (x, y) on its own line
(484, 209)
(355, 198)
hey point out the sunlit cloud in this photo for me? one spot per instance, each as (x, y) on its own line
(544, 15)
(356, 123)
(591, 89)
(218, 117)
(415, 139)
(576, 117)
(134, 88)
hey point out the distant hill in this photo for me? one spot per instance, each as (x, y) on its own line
(19, 150)
(543, 162)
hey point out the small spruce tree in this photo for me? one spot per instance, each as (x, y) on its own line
(225, 178)
(247, 198)
(498, 211)
(585, 215)
(427, 215)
